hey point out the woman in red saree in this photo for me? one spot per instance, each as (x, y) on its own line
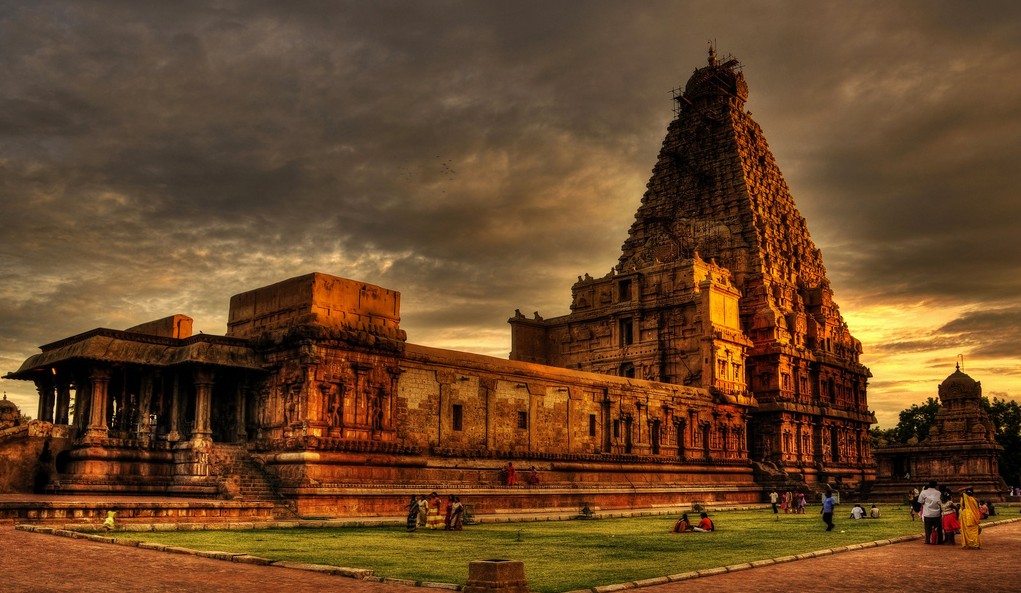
(969, 517)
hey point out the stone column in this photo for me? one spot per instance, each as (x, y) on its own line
(63, 408)
(44, 387)
(203, 405)
(175, 411)
(240, 431)
(98, 429)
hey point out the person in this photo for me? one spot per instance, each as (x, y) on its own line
(788, 498)
(533, 476)
(456, 514)
(705, 524)
(990, 508)
(435, 519)
(423, 510)
(682, 525)
(108, 523)
(773, 499)
(448, 513)
(874, 512)
(969, 518)
(511, 474)
(799, 501)
(913, 506)
(827, 510)
(932, 516)
(950, 523)
(413, 513)
(983, 510)
(857, 512)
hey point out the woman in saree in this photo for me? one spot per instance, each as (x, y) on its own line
(435, 519)
(969, 517)
(413, 514)
(456, 515)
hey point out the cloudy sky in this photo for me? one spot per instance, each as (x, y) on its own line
(159, 157)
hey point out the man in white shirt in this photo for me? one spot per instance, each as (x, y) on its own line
(932, 514)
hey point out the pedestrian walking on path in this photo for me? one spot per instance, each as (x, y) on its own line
(827, 510)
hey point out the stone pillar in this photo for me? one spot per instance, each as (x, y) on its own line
(240, 432)
(63, 401)
(98, 429)
(44, 387)
(175, 411)
(496, 576)
(203, 405)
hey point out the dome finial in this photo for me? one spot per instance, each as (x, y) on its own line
(712, 53)
(960, 361)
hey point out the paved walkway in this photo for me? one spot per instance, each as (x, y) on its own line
(35, 562)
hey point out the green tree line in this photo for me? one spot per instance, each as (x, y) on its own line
(915, 422)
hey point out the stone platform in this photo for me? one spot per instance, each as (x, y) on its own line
(92, 510)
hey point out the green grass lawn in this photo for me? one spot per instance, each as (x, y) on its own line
(558, 555)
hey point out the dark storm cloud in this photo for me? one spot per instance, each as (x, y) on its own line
(160, 157)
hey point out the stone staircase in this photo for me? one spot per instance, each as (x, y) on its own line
(244, 477)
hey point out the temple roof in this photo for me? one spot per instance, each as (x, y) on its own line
(116, 346)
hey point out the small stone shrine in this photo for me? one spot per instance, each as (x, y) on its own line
(961, 449)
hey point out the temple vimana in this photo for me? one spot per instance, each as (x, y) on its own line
(711, 364)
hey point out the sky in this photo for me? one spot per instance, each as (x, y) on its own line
(158, 157)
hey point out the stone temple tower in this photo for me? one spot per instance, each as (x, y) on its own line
(719, 285)
(960, 450)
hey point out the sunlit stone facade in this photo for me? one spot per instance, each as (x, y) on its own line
(709, 364)
(720, 286)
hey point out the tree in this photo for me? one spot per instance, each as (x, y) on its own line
(916, 421)
(1006, 417)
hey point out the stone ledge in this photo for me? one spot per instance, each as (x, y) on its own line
(652, 581)
(248, 559)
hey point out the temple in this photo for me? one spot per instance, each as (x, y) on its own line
(960, 450)
(719, 286)
(710, 364)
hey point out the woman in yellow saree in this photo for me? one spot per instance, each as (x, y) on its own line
(969, 517)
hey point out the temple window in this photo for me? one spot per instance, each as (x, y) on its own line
(523, 420)
(624, 290)
(458, 417)
(627, 332)
(592, 425)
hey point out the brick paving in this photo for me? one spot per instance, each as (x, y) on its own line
(36, 562)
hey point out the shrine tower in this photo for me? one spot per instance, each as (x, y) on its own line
(719, 285)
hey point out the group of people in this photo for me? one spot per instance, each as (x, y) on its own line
(945, 514)
(859, 512)
(705, 524)
(509, 475)
(434, 512)
(790, 502)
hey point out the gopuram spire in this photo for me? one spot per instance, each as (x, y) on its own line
(718, 208)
